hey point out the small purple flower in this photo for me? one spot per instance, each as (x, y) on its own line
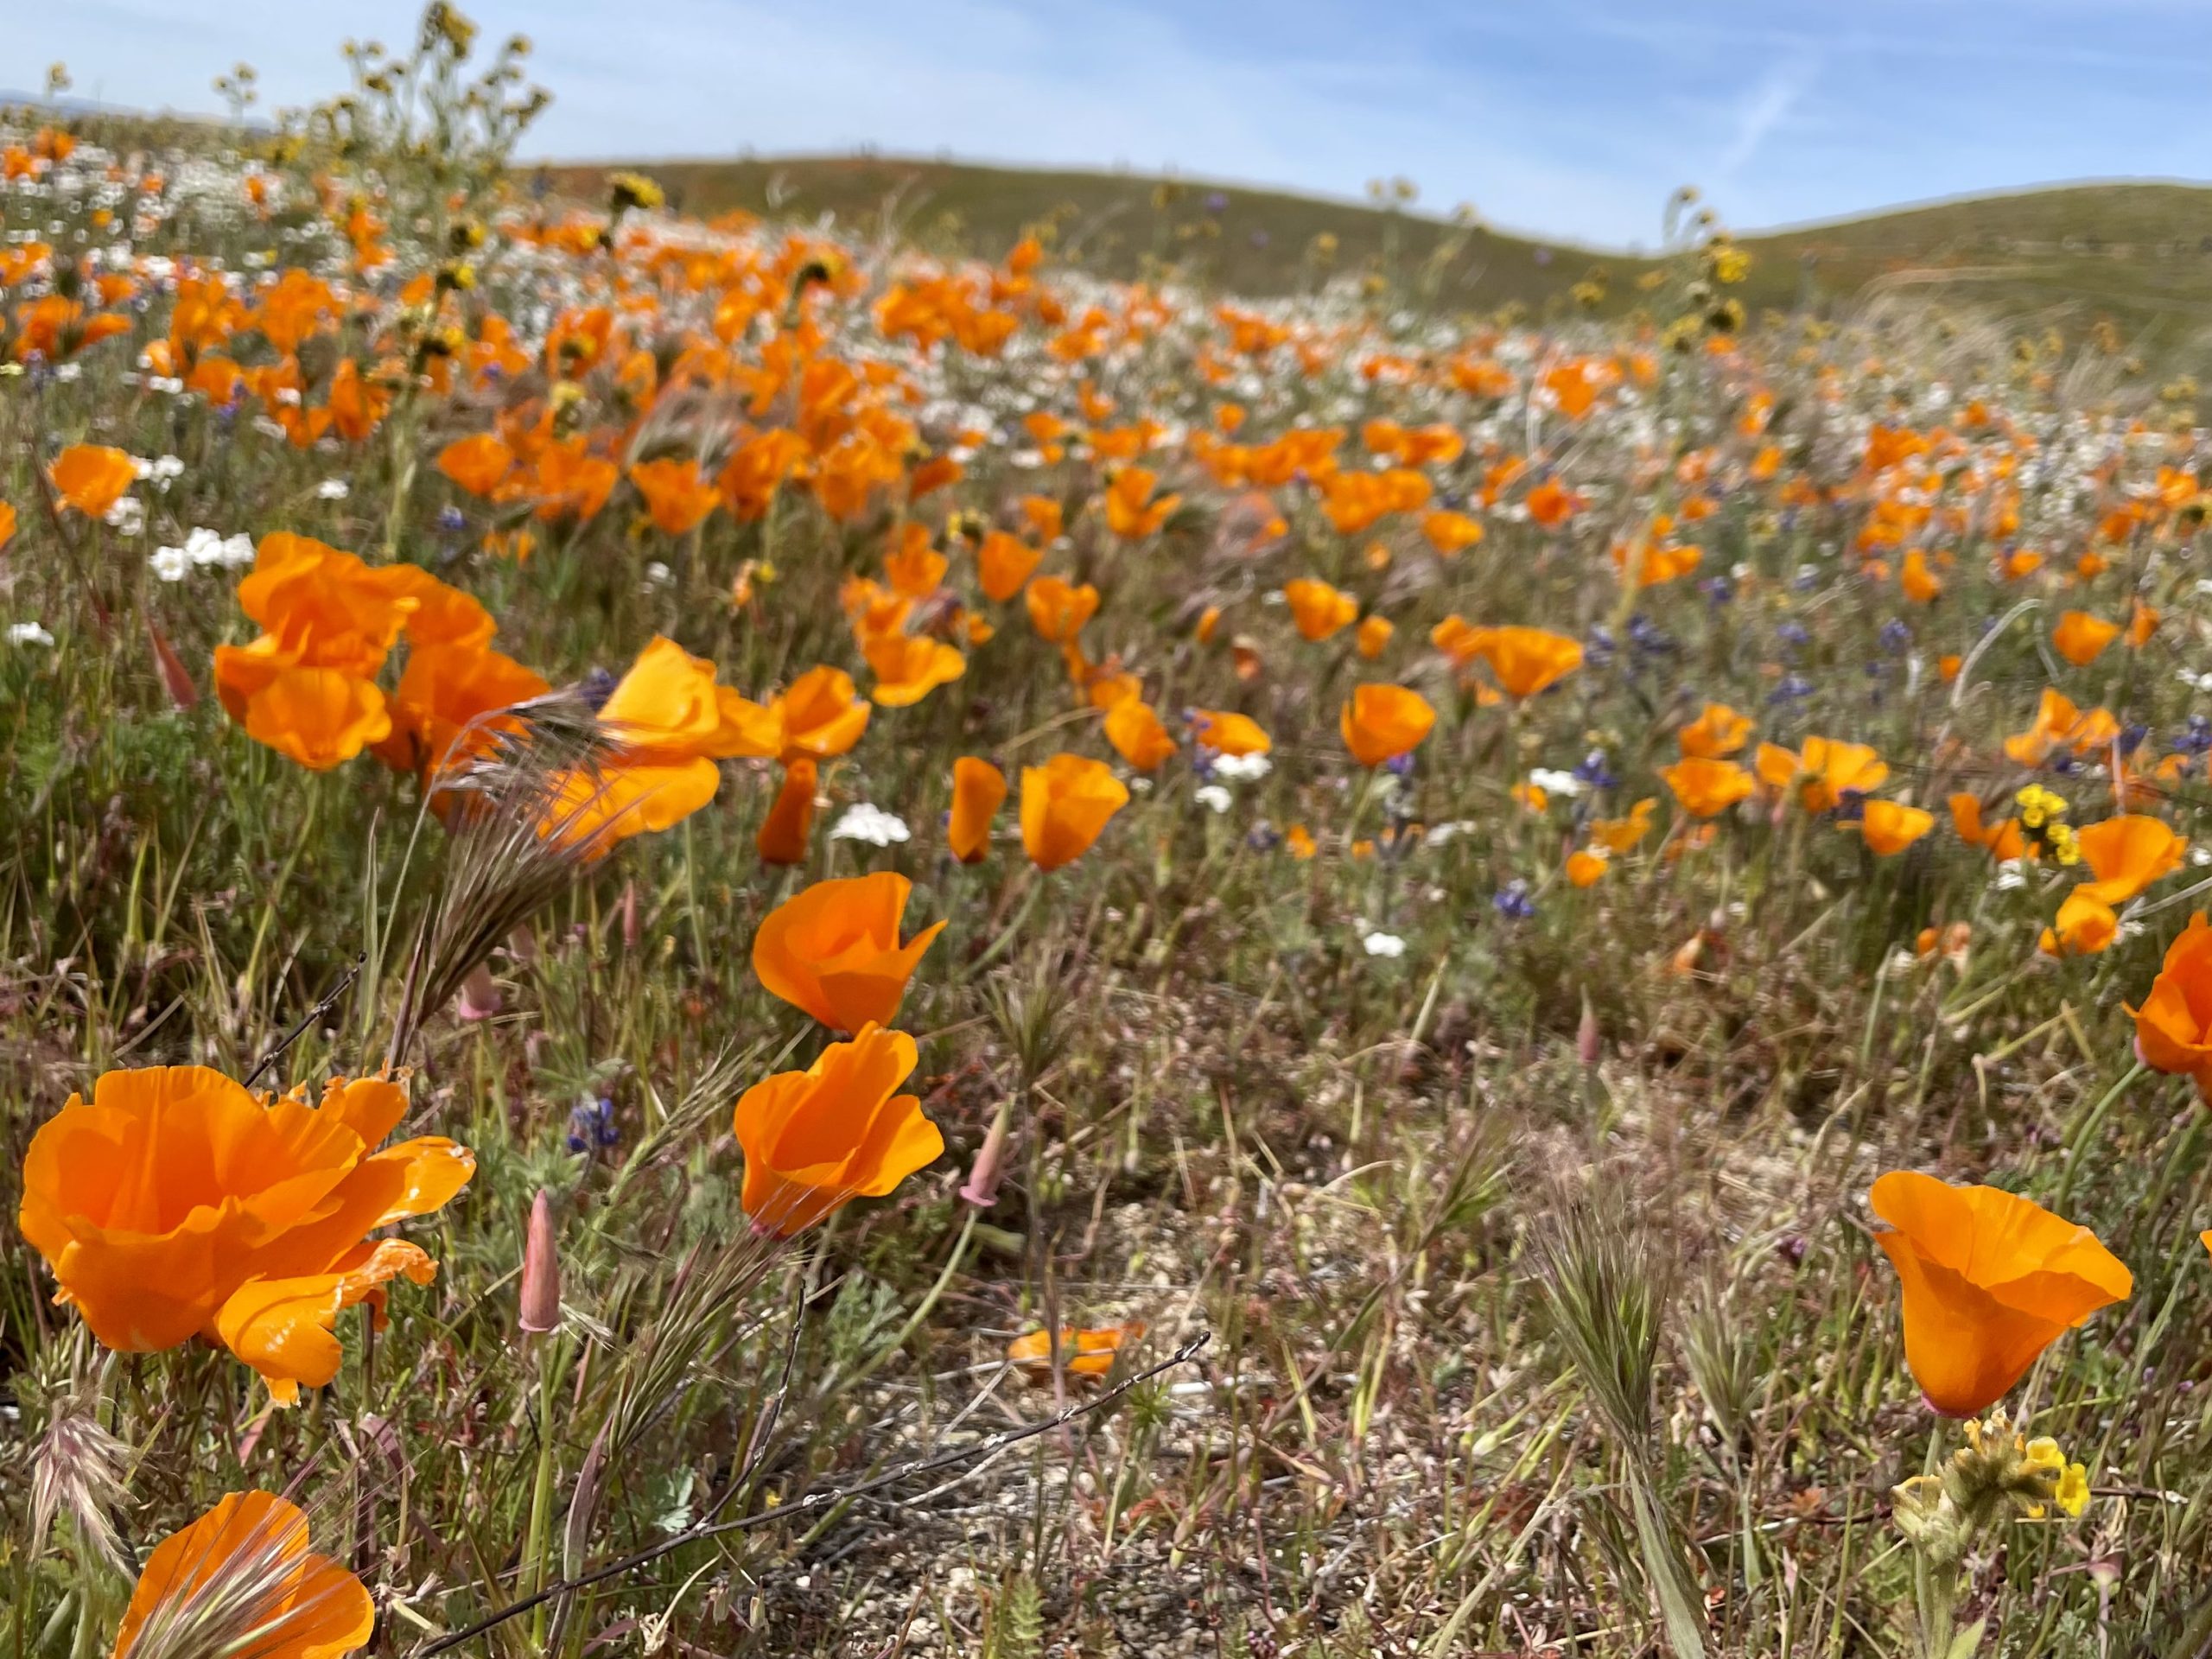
(596, 688)
(1512, 901)
(1593, 771)
(592, 1125)
(452, 520)
(1793, 687)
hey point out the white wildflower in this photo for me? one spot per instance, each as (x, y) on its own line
(28, 633)
(872, 824)
(1241, 768)
(1379, 944)
(1556, 783)
(333, 489)
(170, 563)
(1213, 795)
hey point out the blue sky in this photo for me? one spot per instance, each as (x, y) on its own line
(1569, 118)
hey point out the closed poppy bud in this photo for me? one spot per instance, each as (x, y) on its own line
(541, 1269)
(241, 1579)
(815, 1140)
(176, 680)
(833, 950)
(1066, 802)
(1990, 1280)
(978, 790)
(1382, 722)
(1209, 620)
(783, 833)
(982, 1186)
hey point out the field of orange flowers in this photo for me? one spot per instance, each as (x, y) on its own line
(720, 940)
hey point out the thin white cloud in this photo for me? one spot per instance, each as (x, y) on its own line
(1778, 93)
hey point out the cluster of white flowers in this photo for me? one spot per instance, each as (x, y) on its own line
(1213, 796)
(863, 822)
(1242, 768)
(1556, 783)
(27, 633)
(202, 548)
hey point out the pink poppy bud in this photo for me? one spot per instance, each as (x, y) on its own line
(541, 1269)
(479, 998)
(982, 1186)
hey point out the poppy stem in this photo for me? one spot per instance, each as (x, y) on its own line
(2086, 1130)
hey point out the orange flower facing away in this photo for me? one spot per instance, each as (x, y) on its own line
(1381, 722)
(978, 791)
(2085, 925)
(1450, 533)
(1717, 732)
(242, 1580)
(478, 463)
(1824, 773)
(1082, 1353)
(1228, 734)
(91, 478)
(1888, 828)
(1131, 508)
(1065, 803)
(833, 950)
(789, 824)
(2126, 854)
(1003, 564)
(678, 495)
(1620, 835)
(1585, 867)
(1138, 734)
(816, 1140)
(1526, 660)
(176, 1203)
(1990, 1280)
(1551, 504)
(1706, 788)
(1921, 584)
(2058, 723)
(2080, 638)
(1058, 611)
(439, 712)
(2173, 1028)
(1318, 609)
(822, 715)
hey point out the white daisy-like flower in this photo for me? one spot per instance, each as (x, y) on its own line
(128, 515)
(1214, 796)
(872, 824)
(2011, 876)
(1242, 768)
(28, 633)
(1379, 944)
(1556, 783)
(170, 563)
(333, 489)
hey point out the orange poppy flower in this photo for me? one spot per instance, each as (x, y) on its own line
(176, 1203)
(833, 950)
(1065, 803)
(1373, 637)
(678, 495)
(438, 712)
(1043, 516)
(816, 1140)
(1990, 1280)
(823, 714)
(1082, 1353)
(1450, 533)
(1719, 731)
(978, 791)
(909, 666)
(1919, 583)
(915, 569)
(1585, 866)
(1551, 505)
(243, 1579)
(91, 478)
(1318, 609)
(1824, 773)
(1888, 828)
(790, 823)
(1380, 721)
(1137, 734)
(318, 717)
(7, 524)
(2086, 925)
(479, 464)
(2004, 841)
(2173, 1028)
(1228, 734)
(1705, 788)
(2126, 854)
(1525, 660)
(1057, 610)
(2080, 638)
(1131, 510)
(1003, 564)
(1619, 835)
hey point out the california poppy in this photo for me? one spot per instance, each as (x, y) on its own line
(816, 1139)
(821, 713)
(2173, 1028)
(242, 1579)
(1719, 731)
(1066, 802)
(2080, 638)
(1990, 1280)
(1888, 828)
(174, 1204)
(2127, 854)
(91, 478)
(833, 950)
(1137, 734)
(978, 790)
(1003, 563)
(1380, 723)
(478, 463)
(1450, 533)
(679, 495)
(1525, 660)
(1373, 637)
(1704, 788)
(786, 830)
(2085, 925)
(909, 666)
(1058, 611)
(2002, 840)
(1082, 1353)
(1318, 609)
(1229, 734)
(1585, 867)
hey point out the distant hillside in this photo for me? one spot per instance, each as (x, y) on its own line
(2138, 253)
